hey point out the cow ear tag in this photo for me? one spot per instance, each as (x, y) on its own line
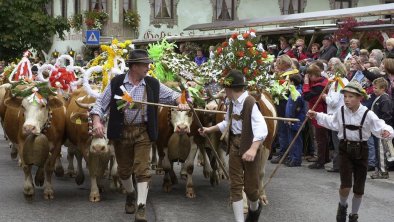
(78, 121)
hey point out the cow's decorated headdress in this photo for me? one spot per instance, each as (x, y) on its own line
(36, 92)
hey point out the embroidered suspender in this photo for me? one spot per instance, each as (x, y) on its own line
(353, 127)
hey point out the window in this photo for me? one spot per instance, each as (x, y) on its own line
(98, 5)
(163, 9)
(127, 5)
(77, 6)
(64, 8)
(164, 12)
(292, 6)
(339, 4)
(224, 9)
(49, 8)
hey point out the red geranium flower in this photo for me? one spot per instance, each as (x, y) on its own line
(246, 70)
(245, 35)
(264, 54)
(219, 50)
(249, 44)
(234, 35)
(240, 54)
(224, 44)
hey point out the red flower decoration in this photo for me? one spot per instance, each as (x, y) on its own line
(246, 70)
(224, 44)
(264, 54)
(245, 35)
(249, 44)
(219, 50)
(234, 35)
(240, 54)
(282, 81)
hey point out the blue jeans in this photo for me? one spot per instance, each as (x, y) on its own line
(371, 152)
(295, 154)
(283, 137)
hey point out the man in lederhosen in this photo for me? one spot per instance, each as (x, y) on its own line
(133, 128)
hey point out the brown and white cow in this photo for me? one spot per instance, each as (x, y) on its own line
(175, 144)
(38, 130)
(97, 152)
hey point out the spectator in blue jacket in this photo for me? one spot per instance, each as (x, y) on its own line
(295, 108)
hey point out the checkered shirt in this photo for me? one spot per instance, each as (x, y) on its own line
(166, 96)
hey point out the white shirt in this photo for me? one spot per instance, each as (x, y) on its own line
(259, 126)
(334, 99)
(372, 124)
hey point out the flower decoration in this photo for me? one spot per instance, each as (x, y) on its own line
(125, 101)
(132, 19)
(75, 21)
(277, 90)
(109, 59)
(243, 52)
(62, 78)
(95, 19)
(35, 92)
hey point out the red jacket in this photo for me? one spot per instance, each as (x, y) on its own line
(311, 93)
(301, 56)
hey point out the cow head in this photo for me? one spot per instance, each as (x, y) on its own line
(36, 115)
(181, 120)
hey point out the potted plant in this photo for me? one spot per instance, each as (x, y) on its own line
(76, 22)
(95, 19)
(132, 19)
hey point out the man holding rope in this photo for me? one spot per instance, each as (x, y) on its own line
(246, 130)
(133, 128)
(354, 124)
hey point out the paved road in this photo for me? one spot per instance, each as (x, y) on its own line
(296, 194)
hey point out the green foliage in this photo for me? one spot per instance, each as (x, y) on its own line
(24, 25)
(132, 19)
(75, 22)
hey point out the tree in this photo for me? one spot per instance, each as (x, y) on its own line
(25, 24)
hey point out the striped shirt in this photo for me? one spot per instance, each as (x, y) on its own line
(166, 96)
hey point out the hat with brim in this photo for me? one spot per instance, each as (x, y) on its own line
(139, 56)
(356, 88)
(234, 79)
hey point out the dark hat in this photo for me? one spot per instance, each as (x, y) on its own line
(234, 79)
(327, 37)
(344, 40)
(139, 56)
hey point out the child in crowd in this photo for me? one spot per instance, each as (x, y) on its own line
(314, 84)
(295, 108)
(383, 108)
(354, 124)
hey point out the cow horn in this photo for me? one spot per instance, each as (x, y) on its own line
(84, 105)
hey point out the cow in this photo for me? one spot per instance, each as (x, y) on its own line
(38, 130)
(174, 144)
(97, 152)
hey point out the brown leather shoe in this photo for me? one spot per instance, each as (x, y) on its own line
(140, 214)
(130, 203)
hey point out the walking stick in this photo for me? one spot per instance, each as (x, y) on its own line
(209, 140)
(295, 137)
(215, 111)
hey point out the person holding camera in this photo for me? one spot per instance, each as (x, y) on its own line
(298, 51)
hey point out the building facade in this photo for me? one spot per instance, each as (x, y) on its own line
(160, 18)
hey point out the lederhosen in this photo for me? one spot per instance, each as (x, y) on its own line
(243, 175)
(353, 157)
